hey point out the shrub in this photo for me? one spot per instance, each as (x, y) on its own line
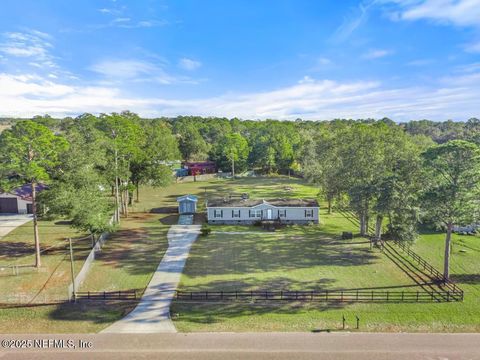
(205, 230)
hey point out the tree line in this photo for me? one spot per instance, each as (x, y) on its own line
(393, 177)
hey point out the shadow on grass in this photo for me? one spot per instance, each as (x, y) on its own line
(14, 249)
(471, 279)
(289, 249)
(221, 312)
(169, 220)
(95, 312)
(137, 251)
(164, 210)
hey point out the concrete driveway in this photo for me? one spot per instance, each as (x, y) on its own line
(152, 314)
(9, 222)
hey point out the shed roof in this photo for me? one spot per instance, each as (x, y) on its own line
(187, 197)
(255, 202)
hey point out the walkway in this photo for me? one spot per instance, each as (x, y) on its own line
(152, 314)
(9, 222)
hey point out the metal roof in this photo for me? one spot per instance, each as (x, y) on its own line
(187, 197)
(250, 203)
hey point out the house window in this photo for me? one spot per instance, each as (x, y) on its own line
(282, 213)
(235, 213)
(309, 213)
(255, 213)
(217, 213)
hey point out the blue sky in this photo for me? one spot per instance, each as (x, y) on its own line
(405, 59)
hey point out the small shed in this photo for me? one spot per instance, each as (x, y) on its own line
(187, 204)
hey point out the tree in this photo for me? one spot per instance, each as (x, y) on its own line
(322, 164)
(232, 152)
(30, 152)
(150, 164)
(451, 197)
(78, 187)
(125, 138)
(192, 145)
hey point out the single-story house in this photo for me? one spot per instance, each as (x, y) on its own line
(18, 201)
(187, 204)
(249, 211)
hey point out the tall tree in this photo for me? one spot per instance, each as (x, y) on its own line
(451, 197)
(232, 152)
(150, 165)
(30, 151)
(124, 140)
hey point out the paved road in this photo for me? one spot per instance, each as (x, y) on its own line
(222, 346)
(152, 314)
(10, 222)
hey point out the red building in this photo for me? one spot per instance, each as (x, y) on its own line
(200, 167)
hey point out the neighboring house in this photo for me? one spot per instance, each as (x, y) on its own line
(187, 204)
(18, 201)
(200, 167)
(249, 211)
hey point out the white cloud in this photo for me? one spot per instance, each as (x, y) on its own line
(29, 44)
(453, 97)
(376, 54)
(136, 70)
(456, 12)
(323, 61)
(189, 64)
(353, 20)
(473, 47)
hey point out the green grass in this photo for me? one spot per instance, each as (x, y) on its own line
(50, 282)
(63, 318)
(295, 257)
(130, 256)
(313, 258)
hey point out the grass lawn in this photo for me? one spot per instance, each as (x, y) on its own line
(307, 257)
(312, 257)
(294, 258)
(131, 255)
(50, 282)
(65, 318)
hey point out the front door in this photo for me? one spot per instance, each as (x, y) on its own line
(269, 214)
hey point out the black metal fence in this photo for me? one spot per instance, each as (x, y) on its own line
(329, 296)
(107, 295)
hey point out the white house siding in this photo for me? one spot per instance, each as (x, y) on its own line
(22, 204)
(293, 214)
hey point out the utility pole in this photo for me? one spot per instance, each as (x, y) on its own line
(72, 268)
